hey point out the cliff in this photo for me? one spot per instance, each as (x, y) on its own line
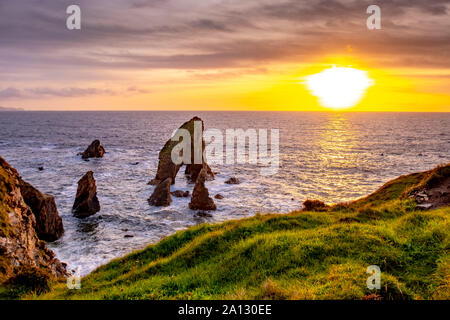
(21, 251)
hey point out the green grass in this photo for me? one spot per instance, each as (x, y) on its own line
(302, 255)
(321, 254)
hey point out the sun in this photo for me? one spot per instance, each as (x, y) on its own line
(339, 87)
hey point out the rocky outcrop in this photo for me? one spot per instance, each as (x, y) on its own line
(200, 199)
(49, 225)
(86, 201)
(433, 195)
(166, 167)
(95, 150)
(161, 195)
(20, 246)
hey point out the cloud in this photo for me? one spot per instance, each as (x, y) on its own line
(9, 93)
(209, 34)
(68, 92)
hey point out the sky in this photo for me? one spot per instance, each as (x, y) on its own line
(220, 54)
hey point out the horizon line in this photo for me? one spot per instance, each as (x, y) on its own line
(224, 110)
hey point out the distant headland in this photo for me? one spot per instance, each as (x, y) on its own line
(10, 109)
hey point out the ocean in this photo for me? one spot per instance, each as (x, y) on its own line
(332, 157)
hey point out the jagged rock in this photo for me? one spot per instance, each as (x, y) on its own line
(20, 246)
(233, 180)
(154, 182)
(192, 171)
(86, 201)
(95, 150)
(180, 194)
(200, 199)
(166, 167)
(161, 195)
(218, 196)
(49, 225)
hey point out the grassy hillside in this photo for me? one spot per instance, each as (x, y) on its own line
(302, 255)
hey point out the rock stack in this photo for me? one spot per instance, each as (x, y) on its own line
(161, 196)
(200, 196)
(166, 167)
(168, 170)
(49, 225)
(86, 201)
(95, 150)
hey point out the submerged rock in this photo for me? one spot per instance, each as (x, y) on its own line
(218, 196)
(180, 194)
(20, 246)
(233, 180)
(86, 201)
(161, 195)
(166, 167)
(95, 150)
(203, 214)
(49, 225)
(200, 199)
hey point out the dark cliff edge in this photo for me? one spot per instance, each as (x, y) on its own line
(25, 261)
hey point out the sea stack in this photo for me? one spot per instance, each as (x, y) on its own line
(86, 201)
(167, 169)
(95, 150)
(49, 225)
(200, 196)
(161, 196)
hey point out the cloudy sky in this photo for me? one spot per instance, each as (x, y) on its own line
(220, 54)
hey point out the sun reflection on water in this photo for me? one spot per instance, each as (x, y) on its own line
(338, 149)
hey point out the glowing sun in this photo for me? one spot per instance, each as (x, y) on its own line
(339, 87)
